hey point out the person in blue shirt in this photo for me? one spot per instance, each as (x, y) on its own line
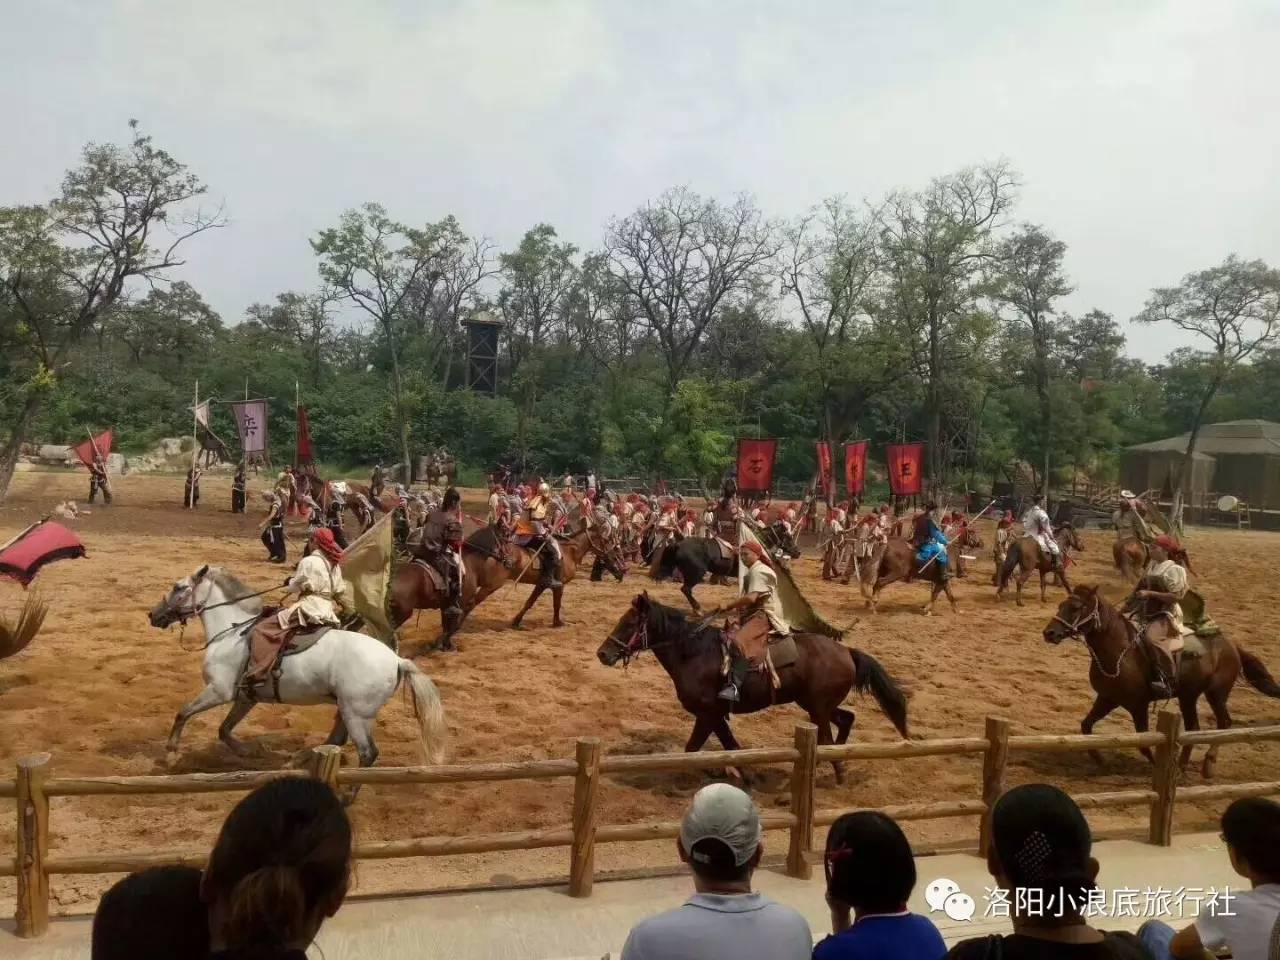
(870, 875)
(929, 540)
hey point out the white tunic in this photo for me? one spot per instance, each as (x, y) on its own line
(761, 579)
(1035, 523)
(318, 583)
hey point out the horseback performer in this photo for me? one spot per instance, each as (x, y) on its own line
(191, 489)
(376, 482)
(497, 504)
(238, 489)
(543, 541)
(333, 517)
(400, 516)
(759, 594)
(1003, 539)
(98, 480)
(322, 597)
(442, 548)
(725, 516)
(1155, 605)
(689, 523)
(1035, 523)
(833, 558)
(929, 540)
(272, 527)
(1130, 519)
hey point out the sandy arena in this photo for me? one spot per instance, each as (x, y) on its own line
(99, 687)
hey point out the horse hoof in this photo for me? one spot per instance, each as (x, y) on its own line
(557, 623)
(516, 625)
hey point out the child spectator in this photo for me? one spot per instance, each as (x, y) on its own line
(871, 873)
(152, 915)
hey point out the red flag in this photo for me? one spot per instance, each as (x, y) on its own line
(855, 468)
(755, 464)
(303, 455)
(906, 468)
(824, 466)
(85, 450)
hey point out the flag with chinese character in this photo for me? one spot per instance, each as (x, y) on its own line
(755, 464)
(906, 468)
(101, 445)
(823, 448)
(251, 424)
(855, 468)
(303, 454)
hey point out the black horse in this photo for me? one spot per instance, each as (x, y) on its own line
(695, 557)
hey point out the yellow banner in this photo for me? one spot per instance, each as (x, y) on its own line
(367, 567)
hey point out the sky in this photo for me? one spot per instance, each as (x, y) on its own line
(1146, 134)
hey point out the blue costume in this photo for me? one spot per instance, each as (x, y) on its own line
(930, 541)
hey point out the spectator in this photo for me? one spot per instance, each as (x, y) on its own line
(871, 873)
(152, 915)
(281, 866)
(1040, 846)
(1251, 829)
(720, 839)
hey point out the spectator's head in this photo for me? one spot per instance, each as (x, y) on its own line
(870, 867)
(152, 915)
(1041, 842)
(1251, 829)
(720, 837)
(281, 866)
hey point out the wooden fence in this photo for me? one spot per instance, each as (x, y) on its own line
(35, 785)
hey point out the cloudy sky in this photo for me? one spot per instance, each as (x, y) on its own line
(1147, 134)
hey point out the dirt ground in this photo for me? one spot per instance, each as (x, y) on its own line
(99, 687)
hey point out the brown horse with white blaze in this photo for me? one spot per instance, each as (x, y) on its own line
(1027, 556)
(1120, 670)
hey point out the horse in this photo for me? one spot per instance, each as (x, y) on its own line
(353, 670)
(695, 557)
(1130, 557)
(780, 542)
(692, 653)
(898, 562)
(1027, 555)
(1121, 668)
(524, 566)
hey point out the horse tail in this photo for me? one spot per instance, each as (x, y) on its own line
(870, 675)
(1256, 672)
(427, 710)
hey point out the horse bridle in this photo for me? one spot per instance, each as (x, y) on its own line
(637, 644)
(1077, 629)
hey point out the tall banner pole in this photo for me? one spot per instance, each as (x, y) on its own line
(195, 445)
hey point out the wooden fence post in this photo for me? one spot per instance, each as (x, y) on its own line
(324, 763)
(993, 764)
(1164, 777)
(803, 773)
(586, 789)
(33, 846)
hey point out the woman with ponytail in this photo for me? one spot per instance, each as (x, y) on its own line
(280, 868)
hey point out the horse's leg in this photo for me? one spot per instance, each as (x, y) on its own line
(206, 699)
(1141, 724)
(727, 740)
(934, 589)
(556, 595)
(1062, 578)
(1043, 585)
(687, 589)
(361, 730)
(946, 587)
(823, 723)
(1190, 721)
(528, 604)
(239, 710)
(338, 735)
(1222, 717)
(1023, 574)
(844, 720)
(702, 727)
(1101, 707)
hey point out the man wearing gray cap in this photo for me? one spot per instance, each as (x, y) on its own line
(720, 839)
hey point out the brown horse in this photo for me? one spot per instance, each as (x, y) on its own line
(692, 653)
(898, 562)
(1027, 555)
(1121, 669)
(1130, 557)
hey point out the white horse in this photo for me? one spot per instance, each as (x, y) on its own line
(355, 671)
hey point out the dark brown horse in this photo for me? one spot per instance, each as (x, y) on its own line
(1027, 555)
(898, 562)
(692, 653)
(1120, 671)
(1130, 557)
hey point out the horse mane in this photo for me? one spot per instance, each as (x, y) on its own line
(484, 540)
(687, 639)
(235, 589)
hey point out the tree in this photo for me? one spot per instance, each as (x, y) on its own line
(1235, 307)
(66, 264)
(305, 319)
(377, 263)
(934, 246)
(1027, 277)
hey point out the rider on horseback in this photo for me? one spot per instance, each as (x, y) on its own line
(929, 540)
(759, 593)
(543, 541)
(1155, 605)
(1035, 523)
(1130, 518)
(442, 548)
(725, 515)
(333, 514)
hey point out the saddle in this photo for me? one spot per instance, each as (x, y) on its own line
(269, 644)
(764, 652)
(727, 551)
(437, 579)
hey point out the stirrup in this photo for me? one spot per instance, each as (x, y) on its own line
(1161, 690)
(730, 693)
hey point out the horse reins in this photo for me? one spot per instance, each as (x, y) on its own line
(1077, 630)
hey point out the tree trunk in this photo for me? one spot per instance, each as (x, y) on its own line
(17, 434)
(933, 408)
(1186, 471)
(401, 423)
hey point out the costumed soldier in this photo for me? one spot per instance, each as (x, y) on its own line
(1035, 523)
(376, 482)
(929, 540)
(759, 593)
(238, 489)
(272, 527)
(1155, 602)
(442, 548)
(98, 480)
(542, 539)
(1003, 541)
(333, 518)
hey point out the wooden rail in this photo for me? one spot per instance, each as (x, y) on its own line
(34, 785)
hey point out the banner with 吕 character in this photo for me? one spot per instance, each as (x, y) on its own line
(905, 462)
(755, 464)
